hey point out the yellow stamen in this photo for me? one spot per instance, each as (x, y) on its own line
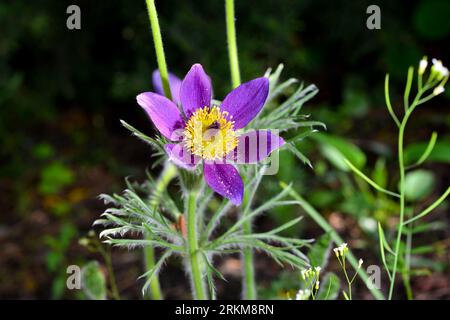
(210, 134)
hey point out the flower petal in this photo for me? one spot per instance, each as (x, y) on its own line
(245, 102)
(181, 156)
(163, 113)
(225, 180)
(174, 83)
(195, 91)
(255, 146)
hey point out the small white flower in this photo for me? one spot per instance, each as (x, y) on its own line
(303, 274)
(302, 294)
(423, 66)
(317, 285)
(438, 90)
(343, 249)
(336, 251)
(360, 262)
(439, 69)
(437, 63)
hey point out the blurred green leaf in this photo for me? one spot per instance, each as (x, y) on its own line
(43, 151)
(419, 184)
(320, 252)
(54, 259)
(336, 149)
(380, 174)
(329, 287)
(54, 177)
(93, 280)
(440, 153)
(58, 286)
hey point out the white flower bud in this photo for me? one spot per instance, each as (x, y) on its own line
(303, 274)
(438, 90)
(438, 69)
(360, 262)
(423, 66)
(336, 251)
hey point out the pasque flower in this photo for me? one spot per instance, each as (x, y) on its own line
(211, 134)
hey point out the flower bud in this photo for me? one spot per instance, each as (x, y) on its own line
(438, 90)
(423, 65)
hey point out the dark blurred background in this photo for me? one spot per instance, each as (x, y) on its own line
(62, 93)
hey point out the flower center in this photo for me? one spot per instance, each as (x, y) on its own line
(210, 134)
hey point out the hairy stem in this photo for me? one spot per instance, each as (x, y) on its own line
(159, 48)
(232, 46)
(169, 172)
(192, 242)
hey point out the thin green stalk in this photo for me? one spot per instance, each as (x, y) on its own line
(249, 287)
(232, 45)
(407, 269)
(388, 101)
(112, 278)
(192, 242)
(169, 172)
(248, 281)
(315, 215)
(402, 170)
(430, 208)
(408, 88)
(155, 291)
(401, 166)
(159, 48)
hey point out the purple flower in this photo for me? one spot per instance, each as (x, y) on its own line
(207, 133)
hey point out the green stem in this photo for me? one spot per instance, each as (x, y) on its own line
(194, 254)
(248, 281)
(401, 166)
(406, 272)
(159, 48)
(315, 215)
(232, 46)
(249, 287)
(169, 172)
(112, 279)
(155, 287)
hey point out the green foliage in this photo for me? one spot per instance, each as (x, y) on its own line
(55, 259)
(329, 287)
(337, 149)
(93, 281)
(440, 152)
(54, 178)
(319, 253)
(419, 184)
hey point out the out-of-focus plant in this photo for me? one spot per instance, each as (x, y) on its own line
(335, 237)
(413, 185)
(56, 262)
(341, 255)
(94, 282)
